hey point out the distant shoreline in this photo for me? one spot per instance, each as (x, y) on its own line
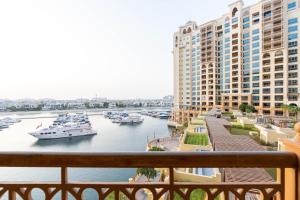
(93, 110)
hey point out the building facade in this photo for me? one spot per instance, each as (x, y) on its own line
(249, 55)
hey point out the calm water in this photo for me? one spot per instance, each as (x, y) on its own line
(110, 137)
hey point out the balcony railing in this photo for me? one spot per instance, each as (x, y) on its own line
(167, 160)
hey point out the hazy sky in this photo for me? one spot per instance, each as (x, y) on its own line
(114, 48)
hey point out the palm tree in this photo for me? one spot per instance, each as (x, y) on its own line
(293, 108)
(285, 107)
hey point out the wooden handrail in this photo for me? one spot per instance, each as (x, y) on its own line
(150, 159)
(169, 160)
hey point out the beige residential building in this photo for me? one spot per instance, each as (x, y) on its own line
(249, 55)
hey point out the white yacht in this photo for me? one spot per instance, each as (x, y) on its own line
(10, 120)
(67, 118)
(64, 131)
(3, 124)
(132, 119)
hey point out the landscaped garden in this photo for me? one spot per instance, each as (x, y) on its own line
(239, 129)
(196, 139)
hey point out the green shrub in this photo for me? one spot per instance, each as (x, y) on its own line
(154, 148)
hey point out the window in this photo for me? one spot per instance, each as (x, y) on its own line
(246, 48)
(255, 38)
(293, 44)
(293, 59)
(293, 67)
(255, 31)
(246, 85)
(293, 51)
(279, 83)
(293, 36)
(246, 60)
(246, 19)
(293, 21)
(255, 78)
(278, 97)
(255, 45)
(246, 41)
(256, 97)
(267, 14)
(246, 54)
(255, 84)
(255, 65)
(292, 6)
(278, 90)
(255, 15)
(234, 19)
(245, 26)
(255, 71)
(255, 51)
(246, 35)
(292, 28)
(255, 58)
(292, 97)
(293, 82)
(266, 91)
(293, 75)
(292, 90)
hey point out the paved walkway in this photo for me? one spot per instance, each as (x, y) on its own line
(223, 140)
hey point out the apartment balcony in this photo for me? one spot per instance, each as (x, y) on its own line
(165, 189)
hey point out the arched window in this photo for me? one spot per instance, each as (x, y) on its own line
(278, 53)
(266, 55)
(234, 11)
(189, 30)
(184, 31)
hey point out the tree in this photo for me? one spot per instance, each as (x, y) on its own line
(243, 107)
(247, 108)
(105, 104)
(250, 109)
(87, 105)
(12, 108)
(150, 173)
(285, 108)
(292, 108)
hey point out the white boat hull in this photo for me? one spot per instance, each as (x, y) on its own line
(65, 134)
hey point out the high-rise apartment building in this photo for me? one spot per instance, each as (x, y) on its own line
(249, 55)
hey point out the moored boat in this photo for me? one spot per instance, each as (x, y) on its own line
(132, 119)
(67, 130)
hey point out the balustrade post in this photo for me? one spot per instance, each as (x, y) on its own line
(171, 182)
(291, 177)
(64, 181)
(12, 195)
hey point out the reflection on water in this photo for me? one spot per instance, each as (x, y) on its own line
(110, 138)
(64, 141)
